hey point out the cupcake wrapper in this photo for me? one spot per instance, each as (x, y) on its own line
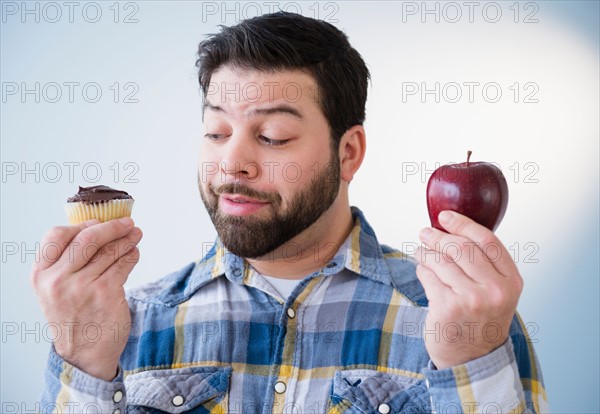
(108, 210)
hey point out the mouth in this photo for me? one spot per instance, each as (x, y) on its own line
(237, 205)
(234, 198)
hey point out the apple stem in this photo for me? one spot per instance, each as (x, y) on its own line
(469, 156)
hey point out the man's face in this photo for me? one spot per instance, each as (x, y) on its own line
(266, 170)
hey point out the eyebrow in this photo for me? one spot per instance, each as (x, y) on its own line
(280, 109)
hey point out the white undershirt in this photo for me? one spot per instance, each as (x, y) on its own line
(283, 286)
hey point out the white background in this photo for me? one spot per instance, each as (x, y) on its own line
(551, 224)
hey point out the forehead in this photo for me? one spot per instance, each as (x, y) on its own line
(242, 88)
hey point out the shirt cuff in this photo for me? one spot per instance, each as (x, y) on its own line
(76, 388)
(490, 379)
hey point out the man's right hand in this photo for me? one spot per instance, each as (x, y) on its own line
(78, 276)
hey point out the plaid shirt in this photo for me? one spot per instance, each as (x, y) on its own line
(215, 337)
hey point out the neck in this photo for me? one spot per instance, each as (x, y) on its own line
(312, 249)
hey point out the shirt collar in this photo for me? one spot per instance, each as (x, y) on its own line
(361, 253)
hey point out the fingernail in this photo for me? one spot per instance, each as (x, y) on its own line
(426, 233)
(445, 217)
(126, 221)
(91, 222)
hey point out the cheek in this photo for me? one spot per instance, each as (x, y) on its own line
(208, 163)
(207, 171)
(293, 177)
(206, 152)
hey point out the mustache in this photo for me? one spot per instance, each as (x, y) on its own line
(243, 190)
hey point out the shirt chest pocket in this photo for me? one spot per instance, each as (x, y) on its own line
(373, 392)
(184, 390)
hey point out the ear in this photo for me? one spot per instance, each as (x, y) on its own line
(352, 151)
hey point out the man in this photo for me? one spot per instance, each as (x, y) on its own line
(297, 308)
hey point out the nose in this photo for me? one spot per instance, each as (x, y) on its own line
(238, 160)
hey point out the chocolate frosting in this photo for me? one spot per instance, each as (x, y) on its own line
(98, 194)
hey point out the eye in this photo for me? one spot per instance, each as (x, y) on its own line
(273, 142)
(213, 137)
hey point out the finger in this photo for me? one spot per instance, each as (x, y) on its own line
(54, 243)
(119, 271)
(491, 246)
(91, 239)
(435, 289)
(462, 251)
(445, 269)
(111, 252)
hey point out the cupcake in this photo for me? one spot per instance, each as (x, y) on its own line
(98, 202)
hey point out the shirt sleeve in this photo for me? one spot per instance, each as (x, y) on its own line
(70, 390)
(507, 380)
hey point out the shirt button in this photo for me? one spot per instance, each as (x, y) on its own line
(117, 411)
(384, 408)
(280, 387)
(117, 396)
(177, 400)
(331, 265)
(291, 313)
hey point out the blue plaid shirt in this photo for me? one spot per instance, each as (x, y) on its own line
(216, 337)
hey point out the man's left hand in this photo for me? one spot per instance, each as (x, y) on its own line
(473, 287)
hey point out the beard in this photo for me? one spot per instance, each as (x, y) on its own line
(253, 237)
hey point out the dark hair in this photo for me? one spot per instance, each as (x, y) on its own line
(289, 41)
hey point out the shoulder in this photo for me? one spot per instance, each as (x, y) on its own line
(154, 292)
(180, 285)
(403, 276)
(381, 262)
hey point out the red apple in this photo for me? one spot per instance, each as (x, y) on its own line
(476, 189)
